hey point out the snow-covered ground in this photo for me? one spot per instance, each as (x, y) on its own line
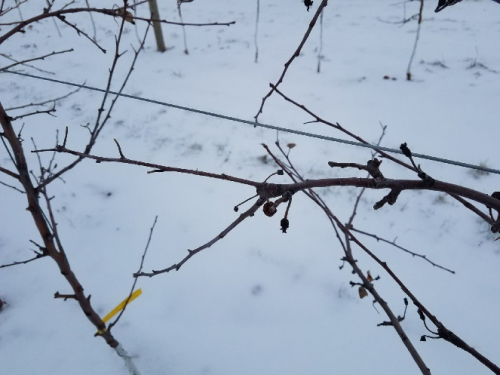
(259, 301)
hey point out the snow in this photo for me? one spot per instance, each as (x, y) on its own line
(258, 301)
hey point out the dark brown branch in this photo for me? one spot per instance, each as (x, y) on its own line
(119, 149)
(80, 31)
(46, 111)
(19, 26)
(64, 296)
(342, 129)
(380, 152)
(269, 190)
(395, 323)
(44, 229)
(98, 126)
(9, 173)
(399, 185)
(157, 168)
(372, 167)
(249, 213)
(295, 54)
(358, 198)
(185, 23)
(444, 333)
(37, 256)
(473, 208)
(390, 199)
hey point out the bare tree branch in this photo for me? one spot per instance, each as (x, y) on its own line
(417, 37)
(46, 111)
(44, 102)
(269, 190)
(34, 59)
(28, 65)
(295, 54)
(366, 283)
(111, 325)
(98, 126)
(248, 213)
(9, 173)
(11, 187)
(381, 152)
(108, 12)
(393, 243)
(37, 256)
(80, 31)
(45, 230)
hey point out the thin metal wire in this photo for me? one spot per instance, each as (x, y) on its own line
(260, 124)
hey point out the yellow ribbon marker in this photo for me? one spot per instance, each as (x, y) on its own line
(121, 306)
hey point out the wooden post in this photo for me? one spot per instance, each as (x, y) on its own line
(155, 14)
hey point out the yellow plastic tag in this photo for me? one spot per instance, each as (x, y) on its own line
(121, 306)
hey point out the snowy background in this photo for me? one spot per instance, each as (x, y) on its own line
(258, 302)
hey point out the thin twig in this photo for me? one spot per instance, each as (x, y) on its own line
(417, 36)
(270, 190)
(393, 243)
(111, 325)
(18, 4)
(20, 25)
(340, 128)
(443, 332)
(9, 173)
(94, 38)
(365, 282)
(320, 48)
(46, 111)
(46, 229)
(381, 152)
(45, 101)
(12, 187)
(185, 23)
(358, 198)
(249, 213)
(99, 126)
(37, 256)
(255, 36)
(36, 58)
(80, 31)
(28, 65)
(186, 51)
(295, 54)
(119, 149)
(156, 168)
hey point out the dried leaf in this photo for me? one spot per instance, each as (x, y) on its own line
(369, 276)
(291, 145)
(126, 14)
(362, 292)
